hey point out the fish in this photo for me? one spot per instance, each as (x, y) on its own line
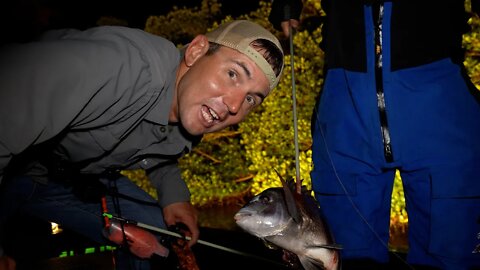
(291, 221)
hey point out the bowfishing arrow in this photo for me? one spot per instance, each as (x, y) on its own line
(177, 235)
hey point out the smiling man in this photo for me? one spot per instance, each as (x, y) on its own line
(78, 106)
(243, 78)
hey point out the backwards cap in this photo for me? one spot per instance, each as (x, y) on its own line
(238, 35)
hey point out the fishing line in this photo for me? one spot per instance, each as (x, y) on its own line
(295, 122)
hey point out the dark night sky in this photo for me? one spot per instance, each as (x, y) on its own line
(20, 20)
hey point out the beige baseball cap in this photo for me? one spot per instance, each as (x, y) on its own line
(238, 35)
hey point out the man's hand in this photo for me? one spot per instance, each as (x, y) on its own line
(286, 26)
(183, 212)
(285, 12)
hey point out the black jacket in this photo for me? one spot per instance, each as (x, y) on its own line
(422, 31)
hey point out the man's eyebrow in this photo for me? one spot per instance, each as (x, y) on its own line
(249, 75)
(242, 65)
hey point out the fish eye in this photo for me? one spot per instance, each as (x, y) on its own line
(264, 198)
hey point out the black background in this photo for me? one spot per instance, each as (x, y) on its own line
(24, 20)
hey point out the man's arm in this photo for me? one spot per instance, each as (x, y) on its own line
(174, 198)
(81, 80)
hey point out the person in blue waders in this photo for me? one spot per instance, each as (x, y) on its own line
(396, 96)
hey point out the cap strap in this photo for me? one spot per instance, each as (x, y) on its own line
(263, 64)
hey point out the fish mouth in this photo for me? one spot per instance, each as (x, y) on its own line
(241, 215)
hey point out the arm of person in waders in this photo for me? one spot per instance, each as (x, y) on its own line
(174, 198)
(284, 13)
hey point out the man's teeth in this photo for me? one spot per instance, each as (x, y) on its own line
(210, 115)
(214, 114)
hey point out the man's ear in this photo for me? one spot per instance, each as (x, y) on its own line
(196, 49)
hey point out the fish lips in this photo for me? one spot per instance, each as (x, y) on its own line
(257, 225)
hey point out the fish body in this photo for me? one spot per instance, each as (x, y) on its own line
(293, 222)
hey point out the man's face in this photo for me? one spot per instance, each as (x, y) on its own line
(219, 90)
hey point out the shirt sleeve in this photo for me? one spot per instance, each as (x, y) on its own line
(67, 82)
(170, 186)
(40, 94)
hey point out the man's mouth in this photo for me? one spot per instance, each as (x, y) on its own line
(209, 115)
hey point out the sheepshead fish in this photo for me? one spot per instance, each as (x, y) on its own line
(293, 222)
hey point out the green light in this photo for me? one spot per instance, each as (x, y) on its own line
(88, 250)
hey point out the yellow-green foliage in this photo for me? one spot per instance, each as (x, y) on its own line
(217, 170)
(471, 43)
(182, 24)
(268, 135)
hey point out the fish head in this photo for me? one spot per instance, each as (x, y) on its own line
(266, 214)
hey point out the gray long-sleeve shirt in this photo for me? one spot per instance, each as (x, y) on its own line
(104, 94)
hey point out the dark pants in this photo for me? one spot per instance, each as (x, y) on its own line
(56, 203)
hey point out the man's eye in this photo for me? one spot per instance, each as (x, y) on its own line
(232, 74)
(250, 100)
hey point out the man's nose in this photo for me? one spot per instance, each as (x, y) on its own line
(234, 102)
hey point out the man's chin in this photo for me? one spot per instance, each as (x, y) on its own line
(195, 130)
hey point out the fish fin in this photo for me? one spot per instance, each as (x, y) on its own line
(270, 245)
(328, 246)
(311, 264)
(289, 200)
